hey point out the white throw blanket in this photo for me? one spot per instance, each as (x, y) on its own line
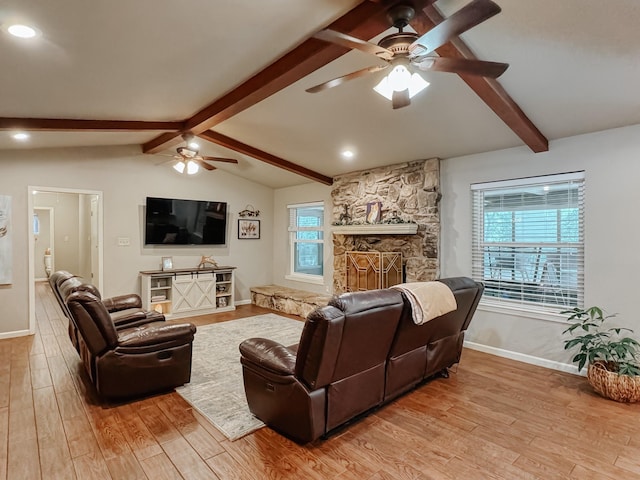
(428, 299)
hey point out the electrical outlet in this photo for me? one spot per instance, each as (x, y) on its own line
(123, 241)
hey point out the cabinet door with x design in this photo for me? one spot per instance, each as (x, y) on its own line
(194, 292)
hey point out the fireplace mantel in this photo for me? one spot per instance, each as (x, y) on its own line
(376, 229)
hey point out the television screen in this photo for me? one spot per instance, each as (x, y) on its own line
(171, 221)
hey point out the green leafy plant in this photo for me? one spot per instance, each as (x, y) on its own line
(599, 343)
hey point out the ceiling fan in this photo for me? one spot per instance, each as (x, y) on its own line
(190, 161)
(404, 51)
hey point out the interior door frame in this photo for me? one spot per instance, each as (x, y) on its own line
(98, 282)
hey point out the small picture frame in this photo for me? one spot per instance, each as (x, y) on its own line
(374, 212)
(167, 263)
(248, 229)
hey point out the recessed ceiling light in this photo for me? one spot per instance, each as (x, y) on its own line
(347, 154)
(22, 31)
(21, 136)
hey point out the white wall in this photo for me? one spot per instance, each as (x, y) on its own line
(126, 177)
(310, 192)
(612, 262)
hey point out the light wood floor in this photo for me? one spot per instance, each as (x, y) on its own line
(493, 418)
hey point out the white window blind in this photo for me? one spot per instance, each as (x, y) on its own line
(528, 241)
(306, 234)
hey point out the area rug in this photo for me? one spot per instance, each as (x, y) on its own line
(216, 389)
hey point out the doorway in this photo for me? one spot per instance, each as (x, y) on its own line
(44, 242)
(67, 222)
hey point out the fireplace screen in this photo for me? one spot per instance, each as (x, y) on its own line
(372, 270)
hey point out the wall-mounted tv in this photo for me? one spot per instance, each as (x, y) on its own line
(172, 221)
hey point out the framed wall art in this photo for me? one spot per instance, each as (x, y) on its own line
(248, 229)
(374, 211)
(6, 257)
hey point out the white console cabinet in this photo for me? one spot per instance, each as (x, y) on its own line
(188, 292)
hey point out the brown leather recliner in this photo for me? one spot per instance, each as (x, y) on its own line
(131, 361)
(337, 373)
(125, 310)
(360, 351)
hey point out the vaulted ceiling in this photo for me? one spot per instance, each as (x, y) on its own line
(109, 73)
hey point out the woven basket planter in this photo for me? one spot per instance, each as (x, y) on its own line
(621, 388)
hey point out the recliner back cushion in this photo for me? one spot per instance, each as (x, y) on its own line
(468, 293)
(76, 284)
(319, 346)
(93, 321)
(371, 319)
(410, 336)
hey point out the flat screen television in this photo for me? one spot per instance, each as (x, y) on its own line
(172, 221)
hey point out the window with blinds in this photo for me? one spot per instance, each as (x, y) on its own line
(306, 235)
(528, 241)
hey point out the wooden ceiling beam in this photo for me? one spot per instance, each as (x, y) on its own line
(366, 20)
(488, 89)
(258, 154)
(62, 124)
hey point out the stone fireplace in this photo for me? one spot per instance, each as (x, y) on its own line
(408, 193)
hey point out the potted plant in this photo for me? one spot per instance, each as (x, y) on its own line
(611, 356)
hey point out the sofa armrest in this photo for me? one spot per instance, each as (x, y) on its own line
(156, 334)
(122, 302)
(269, 355)
(134, 317)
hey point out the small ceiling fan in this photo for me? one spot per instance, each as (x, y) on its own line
(402, 51)
(189, 160)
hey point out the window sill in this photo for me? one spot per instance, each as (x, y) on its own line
(317, 280)
(521, 311)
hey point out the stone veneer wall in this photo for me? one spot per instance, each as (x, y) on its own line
(411, 191)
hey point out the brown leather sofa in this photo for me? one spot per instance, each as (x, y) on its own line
(129, 361)
(125, 310)
(355, 354)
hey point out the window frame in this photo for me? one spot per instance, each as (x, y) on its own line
(531, 301)
(293, 230)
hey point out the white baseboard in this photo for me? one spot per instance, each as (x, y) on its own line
(17, 333)
(243, 302)
(522, 357)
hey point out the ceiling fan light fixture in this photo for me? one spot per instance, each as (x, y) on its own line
(399, 78)
(192, 167)
(179, 167)
(416, 85)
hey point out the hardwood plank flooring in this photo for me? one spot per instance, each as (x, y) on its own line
(492, 419)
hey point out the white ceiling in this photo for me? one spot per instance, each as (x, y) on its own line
(574, 68)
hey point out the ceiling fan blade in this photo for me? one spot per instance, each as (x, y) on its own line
(460, 65)
(350, 76)
(400, 99)
(354, 43)
(203, 164)
(467, 17)
(219, 159)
